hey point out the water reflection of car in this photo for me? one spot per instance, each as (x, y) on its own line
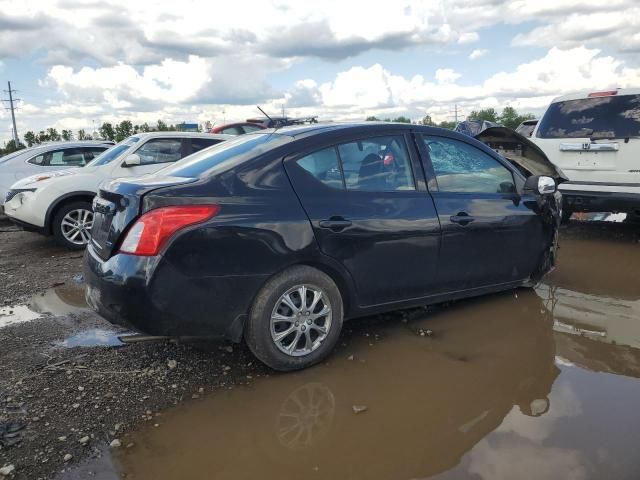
(345, 226)
(429, 402)
(59, 203)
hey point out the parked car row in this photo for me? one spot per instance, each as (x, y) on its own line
(58, 203)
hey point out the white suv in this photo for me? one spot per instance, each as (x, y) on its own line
(59, 203)
(594, 137)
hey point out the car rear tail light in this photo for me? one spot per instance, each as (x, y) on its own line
(153, 229)
(606, 93)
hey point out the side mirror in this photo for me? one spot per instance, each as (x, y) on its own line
(132, 160)
(540, 185)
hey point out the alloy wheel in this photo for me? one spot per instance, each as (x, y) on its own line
(301, 320)
(76, 226)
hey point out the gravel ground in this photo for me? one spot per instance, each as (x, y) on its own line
(61, 405)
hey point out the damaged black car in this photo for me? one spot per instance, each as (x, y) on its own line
(279, 236)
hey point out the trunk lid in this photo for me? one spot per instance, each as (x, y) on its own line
(118, 204)
(594, 139)
(521, 151)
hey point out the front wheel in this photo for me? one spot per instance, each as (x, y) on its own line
(72, 225)
(295, 320)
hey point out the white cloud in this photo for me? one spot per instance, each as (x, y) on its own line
(446, 75)
(477, 53)
(468, 37)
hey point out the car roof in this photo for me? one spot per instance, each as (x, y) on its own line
(219, 136)
(44, 147)
(312, 129)
(585, 93)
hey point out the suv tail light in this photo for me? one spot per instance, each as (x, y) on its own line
(152, 230)
(607, 93)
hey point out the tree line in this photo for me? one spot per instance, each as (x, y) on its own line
(107, 131)
(119, 131)
(509, 118)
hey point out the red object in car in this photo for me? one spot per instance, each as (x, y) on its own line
(237, 128)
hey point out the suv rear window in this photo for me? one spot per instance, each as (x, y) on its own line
(617, 116)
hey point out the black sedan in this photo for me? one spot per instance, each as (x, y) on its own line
(277, 237)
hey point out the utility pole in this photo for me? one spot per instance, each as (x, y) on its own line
(456, 113)
(13, 115)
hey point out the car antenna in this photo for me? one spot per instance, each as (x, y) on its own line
(264, 113)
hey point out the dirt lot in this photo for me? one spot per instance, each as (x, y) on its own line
(67, 390)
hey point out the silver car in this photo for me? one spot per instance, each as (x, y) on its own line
(46, 158)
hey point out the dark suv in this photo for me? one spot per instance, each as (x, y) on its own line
(278, 236)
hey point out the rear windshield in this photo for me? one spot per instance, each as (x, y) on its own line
(113, 152)
(225, 155)
(617, 116)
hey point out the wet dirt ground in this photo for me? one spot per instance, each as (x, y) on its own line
(534, 383)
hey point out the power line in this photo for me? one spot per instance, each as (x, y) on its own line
(12, 107)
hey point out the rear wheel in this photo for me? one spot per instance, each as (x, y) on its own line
(295, 320)
(72, 225)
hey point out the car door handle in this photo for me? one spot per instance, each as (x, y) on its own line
(462, 218)
(335, 223)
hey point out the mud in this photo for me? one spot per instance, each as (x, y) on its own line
(526, 384)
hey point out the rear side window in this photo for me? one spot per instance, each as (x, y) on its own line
(324, 166)
(198, 144)
(160, 150)
(460, 167)
(616, 116)
(250, 128)
(377, 164)
(232, 131)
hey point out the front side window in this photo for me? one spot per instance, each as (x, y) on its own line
(71, 157)
(460, 167)
(198, 144)
(377, 164)
(232, 131)
(92, 152)
(324, 166)
(250, 128)
(160, 150)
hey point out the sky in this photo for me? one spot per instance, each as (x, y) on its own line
(79, 63)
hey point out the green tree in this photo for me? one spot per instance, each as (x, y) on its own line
(145, 128)
(107, 131)
(53, 135)
(42, 137)
(161, 126)
(11, 147)
(511, 119)
(489, 114)
(426, 120)
(124, 130)
(401, 119)
(372, 119)
(67, 135)
(30, 138)
(82, 135)
(447, 125)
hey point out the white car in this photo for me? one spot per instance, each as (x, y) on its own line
(46, 158)
(59, 203)
(594, 137)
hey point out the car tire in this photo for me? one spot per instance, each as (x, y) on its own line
(68, 213)
(273, 303)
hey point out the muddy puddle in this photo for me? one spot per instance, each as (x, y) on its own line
(531, 384)
(57, 301)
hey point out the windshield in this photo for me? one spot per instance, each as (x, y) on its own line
(113, 153)
(225, 154)
(597, 117)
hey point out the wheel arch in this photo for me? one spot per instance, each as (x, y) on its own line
(60, 202)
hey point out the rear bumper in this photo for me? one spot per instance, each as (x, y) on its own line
(586, 199)
(149, 295)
